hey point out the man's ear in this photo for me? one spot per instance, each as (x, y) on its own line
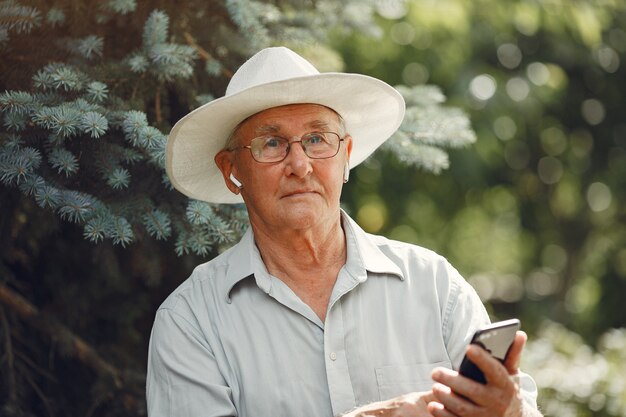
(224, 162)
(346, 167)
(348, 142)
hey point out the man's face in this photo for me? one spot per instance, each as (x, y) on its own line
(298, 192)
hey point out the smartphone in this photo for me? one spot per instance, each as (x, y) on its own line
(496, 339)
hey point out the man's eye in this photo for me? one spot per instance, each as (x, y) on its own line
(273, 143)
(316, 139)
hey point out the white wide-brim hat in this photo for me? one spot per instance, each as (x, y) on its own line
(372, 111)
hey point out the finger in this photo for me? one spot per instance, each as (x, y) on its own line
(465, 387)
(495, 372)
(411, 404)
(438, 410)
(428, 397)
(454, 403)
(515, 353)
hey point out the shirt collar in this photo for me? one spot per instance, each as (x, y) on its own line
(244, 259)
(364, 253)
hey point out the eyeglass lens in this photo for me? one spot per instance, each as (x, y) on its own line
(316, 145)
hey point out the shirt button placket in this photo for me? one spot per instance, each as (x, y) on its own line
(337, 371)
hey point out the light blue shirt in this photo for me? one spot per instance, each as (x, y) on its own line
(233, 340)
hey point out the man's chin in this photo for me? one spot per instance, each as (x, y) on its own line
(300, 216)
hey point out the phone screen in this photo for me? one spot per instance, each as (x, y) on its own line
(496, 339)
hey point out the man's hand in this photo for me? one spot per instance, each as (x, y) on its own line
(457, 395)
(414, 404)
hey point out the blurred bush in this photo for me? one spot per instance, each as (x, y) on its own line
(575, 379)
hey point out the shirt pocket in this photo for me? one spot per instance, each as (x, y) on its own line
(395, 380)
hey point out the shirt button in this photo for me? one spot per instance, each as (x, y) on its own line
(333, 356)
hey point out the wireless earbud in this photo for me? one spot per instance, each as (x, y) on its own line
(235, 181)
(346, 173)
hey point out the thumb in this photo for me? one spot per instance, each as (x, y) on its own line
(515, 352)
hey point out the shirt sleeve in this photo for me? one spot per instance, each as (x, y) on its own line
(464, 314)
(183, 379)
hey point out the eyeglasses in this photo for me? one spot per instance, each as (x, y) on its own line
(271, 148)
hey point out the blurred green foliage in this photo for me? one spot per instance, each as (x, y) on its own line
(541, 191)
(574, 378)
(534, 213)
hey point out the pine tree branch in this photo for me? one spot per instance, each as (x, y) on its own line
(13, 21)
(157, 104)
(203, 53)
(133, 94)
(191, 41)
(75, 346)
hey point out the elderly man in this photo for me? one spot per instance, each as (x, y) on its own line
(308, 315)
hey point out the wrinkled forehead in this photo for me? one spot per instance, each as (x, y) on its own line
(313, 116)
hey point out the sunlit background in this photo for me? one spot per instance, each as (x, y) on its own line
(533, 213)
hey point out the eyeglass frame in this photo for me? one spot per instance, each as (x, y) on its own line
(249, 147)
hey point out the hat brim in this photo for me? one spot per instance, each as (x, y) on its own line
(372, 111)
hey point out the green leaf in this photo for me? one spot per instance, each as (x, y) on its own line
(199, 212)
(94, 124)
(74, 206)
(90, 47)
(121, 232)
(16, 164)
(55, 17)
(48, 196)
(158, 224)
(64, 161)
(155, 29)
(122, 6)
(65, 121)
(133, 124)
(97, 228)
(15, 121)
(138, 63)
(32, 185)
(21, 19)
(97, 91)
(16, 102)
(118, 178)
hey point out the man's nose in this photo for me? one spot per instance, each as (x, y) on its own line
(297, 161)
